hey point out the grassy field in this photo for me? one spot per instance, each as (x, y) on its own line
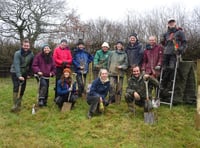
(116, 128)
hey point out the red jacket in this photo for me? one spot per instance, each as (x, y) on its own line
(151, 59)
(62, 55)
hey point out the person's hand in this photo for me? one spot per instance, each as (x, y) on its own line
(81, 67)
(64, 64)
(119, 67)
(157, 67)
(40, 73)
(146, 77)
(21, 78)
(70, 89)
(136, 96)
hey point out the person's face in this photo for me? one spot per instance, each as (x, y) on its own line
(119, 46)
(104, 75)
(47, 50)
(66, 74)
(81, 46)
(132, 40)
(172, 24)
(26, 46)
(104, 48)
(136, 72)
(152, 41)
(63, 45)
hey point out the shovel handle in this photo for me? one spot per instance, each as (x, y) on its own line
(20, 88)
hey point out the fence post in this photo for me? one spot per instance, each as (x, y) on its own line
(197, 117)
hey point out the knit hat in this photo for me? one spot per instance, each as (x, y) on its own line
(45, 45)
(133, 34)
(63, 40)
(80, 42)
(105, 44)
(67, 70)
(120, 42)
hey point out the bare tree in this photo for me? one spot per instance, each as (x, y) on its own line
(29, 18)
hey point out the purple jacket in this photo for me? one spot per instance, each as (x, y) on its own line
(39, 65)
(151, 59)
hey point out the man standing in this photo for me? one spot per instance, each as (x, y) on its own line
(101, 58)
(63, 58)
(152, 58)
(174, 43)
(81, 61)
(134, 52)
(20, 70)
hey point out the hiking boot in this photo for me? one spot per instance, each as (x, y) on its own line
(41, 103)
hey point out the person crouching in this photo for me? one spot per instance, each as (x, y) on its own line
(96, 97)
(64, 87)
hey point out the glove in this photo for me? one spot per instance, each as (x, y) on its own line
(64, 64)
(157, 67)
(101, 107)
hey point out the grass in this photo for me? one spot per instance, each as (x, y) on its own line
(116, 128)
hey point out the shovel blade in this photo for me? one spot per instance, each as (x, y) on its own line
(149, 117)
(66, 107)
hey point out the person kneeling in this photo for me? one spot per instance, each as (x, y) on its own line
(66, 89)
(97, 93)
(136, 90)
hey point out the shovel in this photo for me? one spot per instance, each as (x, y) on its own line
(19, 90)
(67, 105)
(149, 117)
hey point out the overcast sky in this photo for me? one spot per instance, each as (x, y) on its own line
(117, 9)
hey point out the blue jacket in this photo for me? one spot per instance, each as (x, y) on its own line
(99, 89)
(63, 90)
(81, 58)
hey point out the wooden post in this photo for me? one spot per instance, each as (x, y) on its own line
(197, 117)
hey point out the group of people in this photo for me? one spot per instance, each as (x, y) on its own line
(139, 63)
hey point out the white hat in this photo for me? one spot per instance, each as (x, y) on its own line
(171, 20)
(105, 44)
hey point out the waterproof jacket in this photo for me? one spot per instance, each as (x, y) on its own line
(152, 57)
(99, 89)
(174, 37)
(62, 55)
(134, 53)
(138, 85)
(81, 58)
(64, 90)
(117, 58)
(101, 58)
(39, 65)
(22, 63)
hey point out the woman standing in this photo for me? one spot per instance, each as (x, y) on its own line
(44, 67)
(117, 64)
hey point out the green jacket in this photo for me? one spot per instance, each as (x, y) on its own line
(117, 58)
(22, 63)
(138, 85)
(101, 58)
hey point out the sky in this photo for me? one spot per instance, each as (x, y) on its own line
(117, 9)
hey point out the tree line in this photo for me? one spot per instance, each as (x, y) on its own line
(49, 21)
